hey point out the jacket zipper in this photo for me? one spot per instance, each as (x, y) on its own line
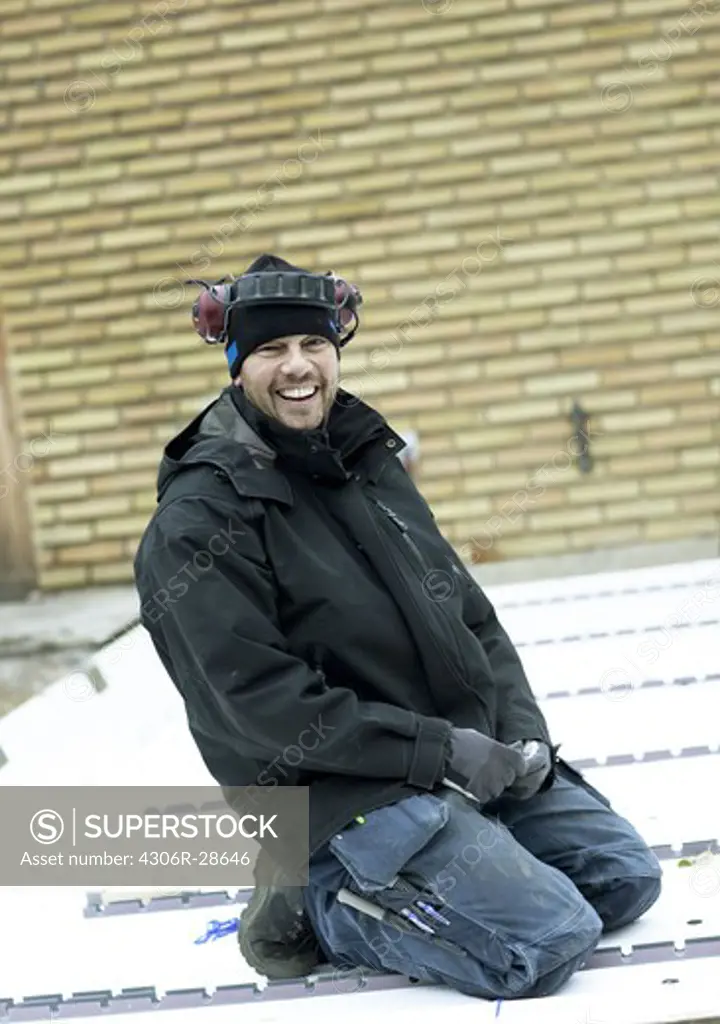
(403, 528)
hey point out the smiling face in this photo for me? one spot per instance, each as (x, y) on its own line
(292, 379)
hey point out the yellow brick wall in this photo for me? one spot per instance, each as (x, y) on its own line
(525, 190)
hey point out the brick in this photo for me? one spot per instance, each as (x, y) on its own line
(583, 14)
(675, 142)
(35, 359)
(513, 69)
(686, 231)
(542, 338)
(679, 437)
(98, 551)
(21, 139)
(551, 88)
(496, 483)
(462, 507)
(494, 97)
(54, 579)
(699, 411)
(131, 238)
(329, 71)
(565, 179)
(89, 175)
(22, 183)
(143, 480)
(254, 39)
(544, 295)
(681, 483)
(59, 535)
(642, 419)
(617, 241)
(32, 25)
(617, 286)
(680, 188)
(707, 501)
(696, 457)
(531, 162)
(681, 323)
(118, 14)
(603, 491)
(142, 459)
(694, 115)
(531, 409)
(113, 572)
(564, 519)
(519, 365)
(129, 526)
(511, 546)
(86, 420)
(651, 259)
(484, 392)
(657, 213)
(642, 508)
(643, 465)
(360, 45)
(438, 376)
(568, 269)
(683, 527)
(58, 202)
(540, 251)
(562, 384)
(16, 51)
(604, 537)
(94, 508)
(56, 156)
(149, 120)
(664, 348)
(702, 161)
(555, 134)
(22, 230)
(118, 146)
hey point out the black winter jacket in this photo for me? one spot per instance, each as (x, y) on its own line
(320, 629)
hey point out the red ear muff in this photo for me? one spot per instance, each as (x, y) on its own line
(208, 311)
(348, 300)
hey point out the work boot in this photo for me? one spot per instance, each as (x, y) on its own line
(275, 936)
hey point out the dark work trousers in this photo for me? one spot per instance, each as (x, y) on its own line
(508, 901)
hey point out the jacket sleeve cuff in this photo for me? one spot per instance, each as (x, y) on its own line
(431, 754)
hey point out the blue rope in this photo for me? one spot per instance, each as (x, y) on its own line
(216, 930)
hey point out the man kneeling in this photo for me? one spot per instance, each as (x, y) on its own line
(327, 615)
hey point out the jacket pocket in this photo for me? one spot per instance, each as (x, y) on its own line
(375, 852)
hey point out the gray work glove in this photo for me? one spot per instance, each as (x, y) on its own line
(483, 767)
(538, 762)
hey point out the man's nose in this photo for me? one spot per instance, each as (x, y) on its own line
(295, 362)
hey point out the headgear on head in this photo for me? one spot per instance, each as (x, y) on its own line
(274, 299)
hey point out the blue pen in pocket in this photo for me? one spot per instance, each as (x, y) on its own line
(431, 912)
(414, 919)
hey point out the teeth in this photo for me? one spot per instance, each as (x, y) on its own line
(297, 392)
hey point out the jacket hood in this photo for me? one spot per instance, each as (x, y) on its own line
(218, 437)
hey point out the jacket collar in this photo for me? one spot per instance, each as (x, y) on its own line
(332, 452)
(252, 451)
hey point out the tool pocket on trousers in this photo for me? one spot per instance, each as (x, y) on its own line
(375, 852)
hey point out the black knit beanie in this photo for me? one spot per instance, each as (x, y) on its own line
(252, 326)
